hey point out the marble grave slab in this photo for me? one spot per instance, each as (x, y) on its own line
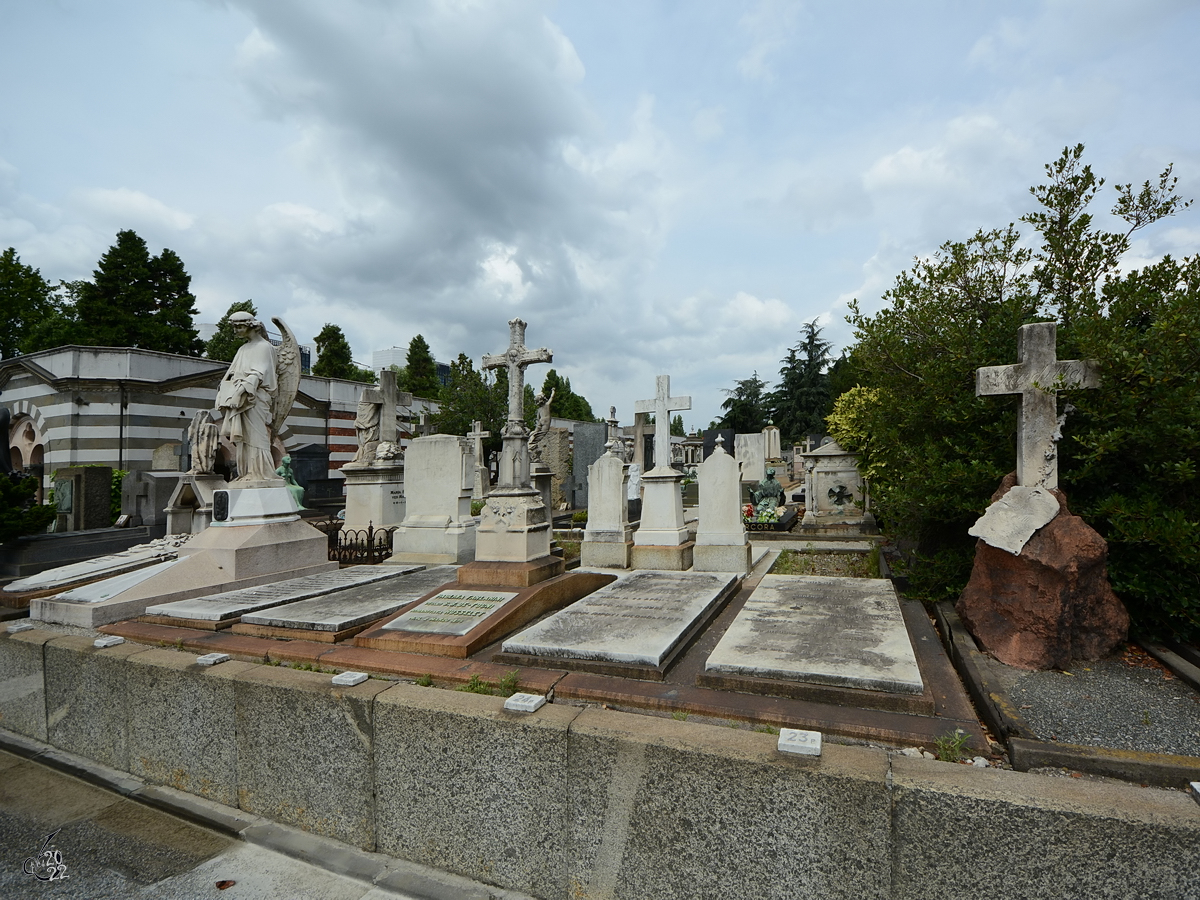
(231, 604)
(451, 612)
(348, 608)
(846, 632)
(640, 620)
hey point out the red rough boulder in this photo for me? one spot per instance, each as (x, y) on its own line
(1049, 605)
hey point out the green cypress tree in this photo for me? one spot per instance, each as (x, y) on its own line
(225, 342)
(116, 309)
(175, 306)
(334, 359)
(420, 370)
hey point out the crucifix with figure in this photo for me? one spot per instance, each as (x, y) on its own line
(514, 464)
(1037, 377)
(662, 406)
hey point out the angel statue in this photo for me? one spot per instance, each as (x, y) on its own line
(256, 396)
(543, 425)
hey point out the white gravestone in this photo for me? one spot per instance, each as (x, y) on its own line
(608, 538)
(751, 452)
(438, 525)
(798, 742)
(773, 446)
(721, 542)
(375, 477)
(483, 479)
(662, 532)
(453, 612)
(1039, 375)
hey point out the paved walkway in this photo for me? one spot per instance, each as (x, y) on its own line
(110, 846)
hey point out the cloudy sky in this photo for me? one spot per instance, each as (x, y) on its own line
(656, 187)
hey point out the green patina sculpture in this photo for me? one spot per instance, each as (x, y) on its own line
(285, 472)
(768, 495)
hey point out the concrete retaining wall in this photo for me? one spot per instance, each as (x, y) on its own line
(591, 803)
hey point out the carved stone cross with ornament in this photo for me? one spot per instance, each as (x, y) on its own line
(1038, 376)
(662, 406)
(514, 470)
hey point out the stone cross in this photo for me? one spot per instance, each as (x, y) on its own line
(1037, 377)
(477, 434)
(515, 359)
(612, 422)
(662, 406)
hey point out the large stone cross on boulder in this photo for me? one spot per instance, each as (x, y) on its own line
(1039, 595)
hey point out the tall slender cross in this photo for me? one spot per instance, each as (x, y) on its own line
(662, 406)
(1037, 377)
(478, 434)
(515, 359)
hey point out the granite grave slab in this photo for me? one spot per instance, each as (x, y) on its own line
(222, 610)
(635, 626)
(341, 614)
(451, 612)
(845, 632)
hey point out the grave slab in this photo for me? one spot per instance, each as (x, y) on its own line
(218, 611)
(463, 619)
(846, 632)
(334, 616)
(635, 626)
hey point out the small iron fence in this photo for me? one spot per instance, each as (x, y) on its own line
(359, 546)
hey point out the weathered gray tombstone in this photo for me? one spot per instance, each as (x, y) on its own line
(483, 477)
(661, 542)
(438, 526)
(721, 542)
(590, 441)
(607, 541)
(751, 452)
(727, 435)
(835, 495)
(83, 495)
(1039, 596)
(375, 492)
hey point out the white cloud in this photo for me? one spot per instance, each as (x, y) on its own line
(769, 26)
(132, 209)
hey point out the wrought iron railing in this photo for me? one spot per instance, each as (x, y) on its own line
(360, 546)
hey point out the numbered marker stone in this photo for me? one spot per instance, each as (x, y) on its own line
(109, 640)
(801, 743)
(22, 626)
(350, 678)
(211, 659)
(525, 702)
(1196, 791)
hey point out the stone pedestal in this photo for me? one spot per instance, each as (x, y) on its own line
(607, 541)
(374, 495)
(1051, 603)
(721, 542)
(662, 540)
(83, 495)
(267, 505)
(189, 511)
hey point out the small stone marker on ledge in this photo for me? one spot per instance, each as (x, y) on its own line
(349, 679)
(109, 640)
(799, 743)
(1195, 786)
(211, 659)
(526, 703)
(19, 627)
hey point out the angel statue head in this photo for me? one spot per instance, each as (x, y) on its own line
(244, 323)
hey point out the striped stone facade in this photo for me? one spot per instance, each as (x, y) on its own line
(115, 406)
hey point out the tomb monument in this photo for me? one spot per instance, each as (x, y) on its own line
(375, 477)
(661, 542)
(721, 542)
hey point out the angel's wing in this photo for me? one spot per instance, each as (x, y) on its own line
(287, 373)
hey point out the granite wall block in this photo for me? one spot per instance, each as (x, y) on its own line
(304, 751)
(22, 688)
(467, 787)
(182, 723)
(86, 699)
(663, 809)
(963, 832)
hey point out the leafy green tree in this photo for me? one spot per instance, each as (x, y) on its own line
(566, 404)
(802, 400)
(60, 326)
(173, 330)
(420, 370)
(677, 428)
(134, 300)
(225, 342)
(25, 300)
(746, 407)
(934, 452)
(19, 514)
(470, 396)
(334, 359)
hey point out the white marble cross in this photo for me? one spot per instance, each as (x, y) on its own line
(478, 434)
(662, 406)
(515, 359)
(1037, 377)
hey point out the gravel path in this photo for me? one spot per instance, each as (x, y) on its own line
(1123, 702)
